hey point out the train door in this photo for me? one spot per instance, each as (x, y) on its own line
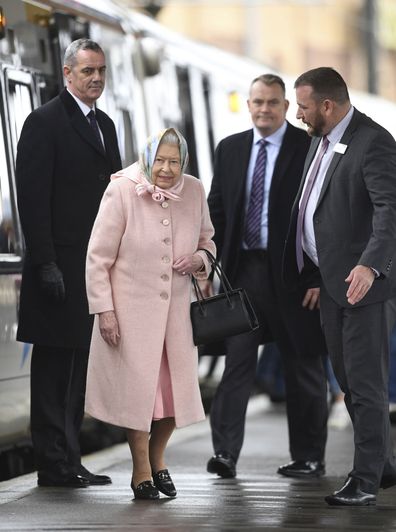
(17, 101)
(187, 122)
(120, 99)
(202, 127)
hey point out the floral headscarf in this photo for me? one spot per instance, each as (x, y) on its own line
(146, 161)
(141, 172)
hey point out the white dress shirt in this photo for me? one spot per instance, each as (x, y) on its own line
(85, 110)
(273, 146)
(335, 135)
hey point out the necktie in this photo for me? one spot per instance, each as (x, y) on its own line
(94, 124)
(256, 199)
(304, 201)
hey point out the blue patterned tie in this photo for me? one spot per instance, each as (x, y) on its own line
(304, 202)
(94, 124)
(256, 200)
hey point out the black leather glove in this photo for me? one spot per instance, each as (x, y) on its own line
(51, 281)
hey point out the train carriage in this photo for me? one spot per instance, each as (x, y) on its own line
(155, 78)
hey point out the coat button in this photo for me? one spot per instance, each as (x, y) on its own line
(166, 259)
(165, 277)
(102, 177)
(165, 222)
(167, 241)
(164, 295)
(164, 204)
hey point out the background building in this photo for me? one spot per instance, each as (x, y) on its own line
(357, 37)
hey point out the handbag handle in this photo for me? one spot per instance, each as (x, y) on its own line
(222, 276)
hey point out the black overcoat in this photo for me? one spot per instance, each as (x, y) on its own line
(227, 209)
(61, 174)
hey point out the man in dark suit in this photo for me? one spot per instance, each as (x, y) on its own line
(343, 233)
(252, 193)
(64, 161)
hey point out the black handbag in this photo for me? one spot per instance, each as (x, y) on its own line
(226, 314)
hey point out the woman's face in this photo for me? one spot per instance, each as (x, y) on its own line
(166, 167)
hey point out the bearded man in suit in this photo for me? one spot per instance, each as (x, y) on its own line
(343, 238)
(67, 150)
(256, 177)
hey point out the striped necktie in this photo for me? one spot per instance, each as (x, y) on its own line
(256, 199)
(304, 202)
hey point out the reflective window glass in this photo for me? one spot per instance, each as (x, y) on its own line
(7, 227)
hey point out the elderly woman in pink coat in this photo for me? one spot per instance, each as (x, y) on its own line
(147, 240)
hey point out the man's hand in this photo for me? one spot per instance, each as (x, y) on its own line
(311, 298)
(108, 326)
(51, 281)
(360, 280)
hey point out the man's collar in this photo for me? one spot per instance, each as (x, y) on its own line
(83, 106)
(275, 138)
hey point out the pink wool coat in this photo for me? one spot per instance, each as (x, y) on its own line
(133, 244)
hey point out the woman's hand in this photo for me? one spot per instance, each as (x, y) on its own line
(187, 264)
(108, 326)
(206, 287)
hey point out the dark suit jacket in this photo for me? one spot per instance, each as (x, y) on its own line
(226, 203)
(355, 218)
(61, 174)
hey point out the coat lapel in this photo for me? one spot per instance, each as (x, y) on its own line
(286, 153)
(79, 122)
(345, 139)
(240, 173)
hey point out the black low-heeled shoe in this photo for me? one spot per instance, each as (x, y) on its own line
(163, 481)
(145, 490)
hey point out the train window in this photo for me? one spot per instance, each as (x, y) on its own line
(20, 102)
(187, 126)
(7, 227)
(131, 152)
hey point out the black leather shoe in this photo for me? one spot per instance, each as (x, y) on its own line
(351, 495)
(387, 481)
(223, 464)
(145, 490)
(163, 481)
(61, 481)
(302, 469)
(94, 480)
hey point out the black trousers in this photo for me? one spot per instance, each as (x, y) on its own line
(58, 379)
(358, 342)
(305, 379)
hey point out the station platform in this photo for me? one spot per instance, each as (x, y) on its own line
(257, 499)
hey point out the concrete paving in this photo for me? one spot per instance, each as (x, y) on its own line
(258, 499)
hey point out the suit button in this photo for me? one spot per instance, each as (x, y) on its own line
(165, 222)
(167, 241)
(166, 259)
(164, 204)
(102, 177)
(164, 295)
(165, 277)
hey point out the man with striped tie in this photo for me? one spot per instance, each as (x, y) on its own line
(256, 177)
